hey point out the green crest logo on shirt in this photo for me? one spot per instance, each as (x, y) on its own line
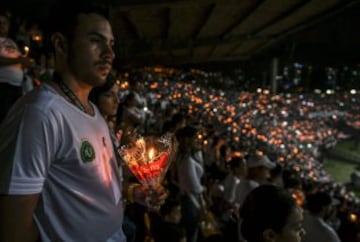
(87, 152)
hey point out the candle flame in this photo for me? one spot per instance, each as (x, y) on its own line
(151, 153)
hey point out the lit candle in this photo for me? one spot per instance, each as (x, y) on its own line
(26, 49)
(353, 217)
(151, 153)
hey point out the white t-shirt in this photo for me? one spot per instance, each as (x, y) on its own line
(51, 147)
(230, 184)
(189, 173)
(243, 189)
(318, 230)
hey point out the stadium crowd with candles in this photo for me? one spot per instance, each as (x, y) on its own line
(293, 130)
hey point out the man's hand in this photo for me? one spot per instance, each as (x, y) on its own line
(151, 197)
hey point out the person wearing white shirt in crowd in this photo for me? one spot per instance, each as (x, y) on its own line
(258, 172)
(59, 179)
(228, 207)
(189, 173)
(319, 208)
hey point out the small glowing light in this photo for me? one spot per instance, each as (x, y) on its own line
(353, 91)
(258, 90)
(353, 217)
(298, 196)
(37, 38)
(329, 91)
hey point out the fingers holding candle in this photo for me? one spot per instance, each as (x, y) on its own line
(151, 197)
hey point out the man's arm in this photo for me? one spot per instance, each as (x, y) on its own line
(16, 218)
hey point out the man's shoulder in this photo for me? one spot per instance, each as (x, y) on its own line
(39, 101)
(43, 97)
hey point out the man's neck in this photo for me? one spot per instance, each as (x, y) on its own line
(75, 90)
(79, 88)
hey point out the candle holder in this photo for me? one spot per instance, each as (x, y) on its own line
(149, 158)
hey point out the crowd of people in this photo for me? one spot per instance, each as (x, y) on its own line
(249, 166)
(294, 131)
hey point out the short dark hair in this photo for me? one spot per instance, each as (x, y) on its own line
(63, 15)
(185, 132)
(266, 207)
(317, 201)
(236, 162)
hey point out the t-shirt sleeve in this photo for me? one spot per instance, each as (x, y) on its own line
(27, 152)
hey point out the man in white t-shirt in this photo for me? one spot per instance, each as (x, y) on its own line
(319, 206)
(58, 176)
(258, 172)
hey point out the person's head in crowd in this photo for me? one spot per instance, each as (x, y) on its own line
(166, 127)
(187, 139)
(291, 182)
(259, 167)
(270, 214)
(177, 121)
(276, 175)
(106, 98)
(321, 204)
(82, 41)
(4, 24)
(238, 166)
(224, 152)
(130, 99)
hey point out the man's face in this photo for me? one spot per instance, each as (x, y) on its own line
(4, 26)
(90, 53)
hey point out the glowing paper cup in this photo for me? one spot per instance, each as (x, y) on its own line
(148, 158)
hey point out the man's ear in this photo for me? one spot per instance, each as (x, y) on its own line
(59, 43)
(269, 235)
